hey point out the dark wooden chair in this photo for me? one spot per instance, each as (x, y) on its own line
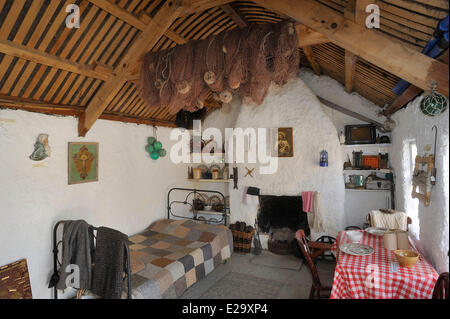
(327, 240)
(310, 251)
(441, 287)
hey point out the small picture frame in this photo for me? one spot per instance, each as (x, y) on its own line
(281, 142)
(82, 162)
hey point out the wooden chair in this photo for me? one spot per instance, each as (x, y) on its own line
(318, 249)
(441, 287)
(369, 220)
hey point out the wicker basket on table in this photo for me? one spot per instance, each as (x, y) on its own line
(242, 237)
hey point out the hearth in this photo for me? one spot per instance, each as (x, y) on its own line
(281, 217)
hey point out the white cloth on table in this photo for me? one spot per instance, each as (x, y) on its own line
(397, 220)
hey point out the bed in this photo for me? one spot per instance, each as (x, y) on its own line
(174, 253)
(171, 255)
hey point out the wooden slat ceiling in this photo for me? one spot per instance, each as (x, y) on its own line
(103, 39)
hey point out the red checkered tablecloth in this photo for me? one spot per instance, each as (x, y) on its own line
(379, 276)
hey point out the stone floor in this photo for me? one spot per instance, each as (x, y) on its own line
(296, 283)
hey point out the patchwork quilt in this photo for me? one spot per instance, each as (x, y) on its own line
(171, 255)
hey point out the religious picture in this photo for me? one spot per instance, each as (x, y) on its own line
(281, 142)
(83, 162)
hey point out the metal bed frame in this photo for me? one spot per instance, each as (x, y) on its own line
(192, 192)
(91, 228)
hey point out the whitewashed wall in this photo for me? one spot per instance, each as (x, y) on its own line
(412, 124)
(130, 194)
(295, 106)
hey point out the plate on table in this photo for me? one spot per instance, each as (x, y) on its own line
(377, 231)
(356, 249)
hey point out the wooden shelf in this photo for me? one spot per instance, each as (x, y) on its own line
(367, 190)
(210, 212)
(367, 145)
(385, 171)
(209, 180)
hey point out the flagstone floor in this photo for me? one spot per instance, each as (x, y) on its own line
(295, 283)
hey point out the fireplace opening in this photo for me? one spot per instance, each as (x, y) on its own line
(281, 217)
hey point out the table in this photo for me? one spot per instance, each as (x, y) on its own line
(379, 276)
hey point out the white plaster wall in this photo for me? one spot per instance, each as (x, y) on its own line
(434, 219)
(130, 194)
(333, 91)
(294, 105)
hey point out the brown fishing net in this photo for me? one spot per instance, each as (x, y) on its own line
(242, 60)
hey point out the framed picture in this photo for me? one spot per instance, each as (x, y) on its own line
(281, 140)
(83, 162)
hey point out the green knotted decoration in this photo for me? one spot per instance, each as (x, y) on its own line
(154, 147)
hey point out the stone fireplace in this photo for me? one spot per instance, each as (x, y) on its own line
(281, 217)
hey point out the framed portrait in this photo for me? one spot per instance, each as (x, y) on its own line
(281, 142)
(83, 162)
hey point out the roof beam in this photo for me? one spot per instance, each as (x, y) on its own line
(309, 53)
(350, 68)
(36, 56)
(234, 14)
(370, 45)
(140, 22)
(195, 6)
(16, 103)
(355, 11)
(145, 41)
(410, 93)
(307, 36)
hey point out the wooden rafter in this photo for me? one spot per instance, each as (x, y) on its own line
(350, 70)
(145, 41)
(355, 11)
(234, 14)
(370, 45)
(72, 110)
(140, 22)
(309, 53)
(37, 56)
(308, 37)
(410, 93)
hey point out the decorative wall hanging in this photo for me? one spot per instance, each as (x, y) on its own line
(421, 180)
(249, 172)
(155, 147)
(433, 103)
(83, 162)
(281, 140)
(41, 148)
(245, 60)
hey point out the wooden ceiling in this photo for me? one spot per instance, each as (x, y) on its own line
(47, 67)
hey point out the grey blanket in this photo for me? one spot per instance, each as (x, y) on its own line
(77, 248)
(109, 261)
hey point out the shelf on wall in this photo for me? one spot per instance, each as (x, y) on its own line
(211, 212)
(384, 145)
(209, 180)
(367, 190)
(385, 171)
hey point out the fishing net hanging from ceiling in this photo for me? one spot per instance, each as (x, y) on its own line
(241, 61)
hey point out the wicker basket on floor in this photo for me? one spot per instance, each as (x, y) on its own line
(242, 241)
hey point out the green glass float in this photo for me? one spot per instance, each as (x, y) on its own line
(433, 103)
(154, 155)
(157, 145)
(149, 148)
(155, 148)
(162, 152)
